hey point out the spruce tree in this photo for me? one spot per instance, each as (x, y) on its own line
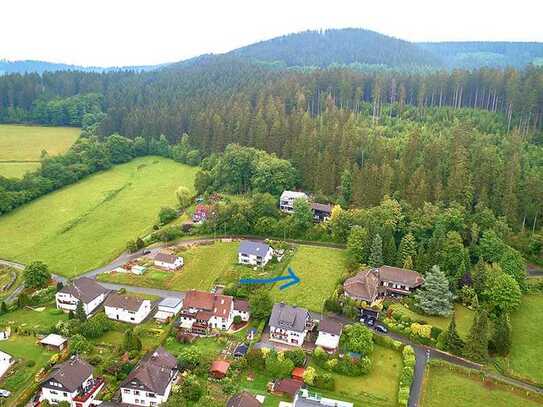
(453, 342)
(408, 263)
(476, 347)
(502, 335)
(434, 297)
(376, 253)
(356, 245)
(389, 246)
(408, 248)
(80, 312)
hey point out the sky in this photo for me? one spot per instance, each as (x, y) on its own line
(122, 32)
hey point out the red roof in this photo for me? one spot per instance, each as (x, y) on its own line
(198, 299)
(220, 366)
(287, 386)
(298, 373)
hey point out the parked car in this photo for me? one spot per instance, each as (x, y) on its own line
(370, 321)
(5, 393)
(146, 251)
(381, 328)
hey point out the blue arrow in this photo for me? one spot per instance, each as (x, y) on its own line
(293, 279)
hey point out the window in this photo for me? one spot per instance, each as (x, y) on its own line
(151, 395)
(136, 392)
(153, 403)
(65, 394)
(126, 391)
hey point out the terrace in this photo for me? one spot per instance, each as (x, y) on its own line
(95, 385)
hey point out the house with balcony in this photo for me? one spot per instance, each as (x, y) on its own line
(83, 289)
(289, 325)
(168, 262)
(127, 308)
(73, 382)
(151, 381)
(287, 199)
(385, 281)
(203, 311)
(254, 253)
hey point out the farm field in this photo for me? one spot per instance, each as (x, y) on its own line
(21, 146)
(526, 350)
(32, 357)
(449, 388)
(464, 318)
(85, 225)
(319, 268)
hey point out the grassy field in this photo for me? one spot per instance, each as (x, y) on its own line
(464, 318)
(85, 225)
(319, 269)
(25, 349)
(448, 388)
(527, 322)
(6, 274)
(41, 318)
(23, 146)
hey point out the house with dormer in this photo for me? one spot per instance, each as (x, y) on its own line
(151, 381)
(289, 325)
(83, 289)
(73, 382)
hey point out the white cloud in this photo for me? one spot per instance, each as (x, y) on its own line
(121, 32)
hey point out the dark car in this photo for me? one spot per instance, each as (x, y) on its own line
(146, 251)
(381, 328)
(370, 321)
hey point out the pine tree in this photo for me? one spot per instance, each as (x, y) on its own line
(376, 254)
(453, 342)
(434, 297)
(476, 347)
(3, 307)
(408, 248)
(502, 335)
(346, 186)
(408, 263)
(389, 246)
(80, 312)
(356, 245)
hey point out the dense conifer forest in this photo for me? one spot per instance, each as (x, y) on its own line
(472, 137)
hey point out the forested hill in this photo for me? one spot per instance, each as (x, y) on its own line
(342, 46)
(31, 66)
(490, 54)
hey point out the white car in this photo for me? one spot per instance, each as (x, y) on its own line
(5, 393)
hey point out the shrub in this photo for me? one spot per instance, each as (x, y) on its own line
(30, 363)
(325, 381)
(435, 332)
(297, 356)
(406, 376)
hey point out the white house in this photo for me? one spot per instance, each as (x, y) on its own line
(289, 325)
(5, 333)
(241, 308)
(168, 261)
(71, 381)
(203, 311)
(304, 398)
(286, 201)
(329, 334)
(254, 253)
(84, 289)
(150, 382)
(126, 308)
(6, 360)
(168, 308)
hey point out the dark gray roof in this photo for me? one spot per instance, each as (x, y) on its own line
(165, 258)
(286, 317)
(84, 289)
(126, 302)
(243, 399)
(71, 374)
(153, 373)
(330, 326)
(253, 248)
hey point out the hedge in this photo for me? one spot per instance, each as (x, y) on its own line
(407, 374)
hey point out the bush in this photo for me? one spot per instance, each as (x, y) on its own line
(30, 363)
(436, 331)
(407, 374)
(325, 381)
(166, 215)
(297, 356)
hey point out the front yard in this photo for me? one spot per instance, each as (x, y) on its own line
(319, 269)
(527, 322)
(446, 387)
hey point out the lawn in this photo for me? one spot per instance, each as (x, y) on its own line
(319, 268)
(41, 318)
(85, 225)
(378, 388)
(25, 349)
(6, 274)
(444, 387)
(527, 323)
(464, 318)
(23, 145)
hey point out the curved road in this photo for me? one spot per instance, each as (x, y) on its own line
(423, 353)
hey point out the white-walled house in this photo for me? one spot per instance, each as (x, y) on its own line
(6, 360)
(127, 308)
(254, 253)
(71, 381)
(329, 334)
(241, 308)
(83, 289)
(287, 199)
(168, 308)
(150, 382)
(167, 261)
(289, 325)
(203, 311)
